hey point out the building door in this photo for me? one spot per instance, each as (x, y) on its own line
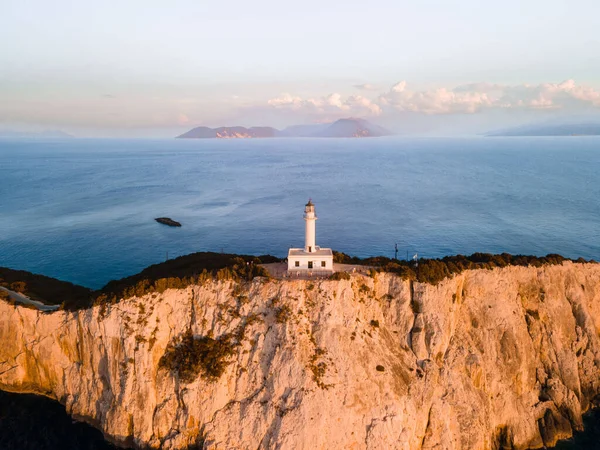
(310, 265)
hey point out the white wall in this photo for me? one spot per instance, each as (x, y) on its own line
(303, 260)
(310, 233)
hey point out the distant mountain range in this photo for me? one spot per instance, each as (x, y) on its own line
(559, 129)
(341, 128)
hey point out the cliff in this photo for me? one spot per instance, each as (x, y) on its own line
(502, 358)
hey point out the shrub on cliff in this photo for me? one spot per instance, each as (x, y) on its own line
(241, 269)
(343, 258)
(45, 289)
(435, 270)
(198, 268)
(19, 286)
(4, 296)
(339, 276)
(179, 273)
(194, 356)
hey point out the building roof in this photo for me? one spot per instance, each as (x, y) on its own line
(310, 203)
(318, 252)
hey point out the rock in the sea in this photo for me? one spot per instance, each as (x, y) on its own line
(168, 221)
(489, 359)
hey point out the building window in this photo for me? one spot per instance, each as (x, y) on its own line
(309, 249)
(323, 264)
(297, 264)
(310, 264)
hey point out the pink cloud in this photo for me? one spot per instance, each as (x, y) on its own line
(332, 104)
(475, 97)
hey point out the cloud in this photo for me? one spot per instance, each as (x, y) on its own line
(472, 98)
(464, 99)
(550, 96)
(182, 119)
(474, 107)
(360, 102)
(365, 87)
(478, 87)
(332, 104)
(437, 101)
(286, 100)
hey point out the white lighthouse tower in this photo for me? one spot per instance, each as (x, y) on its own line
(310, 227)
(312, 259)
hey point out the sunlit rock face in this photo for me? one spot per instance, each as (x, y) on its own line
(485, 360)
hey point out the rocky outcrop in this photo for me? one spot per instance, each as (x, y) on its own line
(168, 221)
(490, 359)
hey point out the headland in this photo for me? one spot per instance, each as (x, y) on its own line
(495, 355)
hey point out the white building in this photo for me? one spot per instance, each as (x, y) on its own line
(311, 259)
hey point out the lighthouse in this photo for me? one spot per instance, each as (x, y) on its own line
(310, 227)
(312, 259)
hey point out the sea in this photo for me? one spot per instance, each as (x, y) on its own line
(82, 210)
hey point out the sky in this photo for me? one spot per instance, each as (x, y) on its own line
(133, 68)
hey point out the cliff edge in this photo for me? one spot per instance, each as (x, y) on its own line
(488, 359)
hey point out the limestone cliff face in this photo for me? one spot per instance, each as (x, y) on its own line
(489, 359)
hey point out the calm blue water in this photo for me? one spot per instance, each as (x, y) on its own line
(82, 210)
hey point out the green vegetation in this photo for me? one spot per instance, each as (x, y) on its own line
(435, 270)
(198, 268)
(283, 314)
(319, 368)
(193, 356)
(337, 276)
(44, 289)
(4, 296)
(177, 273)
(364, 289)
(342, 258)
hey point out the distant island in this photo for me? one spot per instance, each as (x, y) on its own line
(351, 128)
(575, 129)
